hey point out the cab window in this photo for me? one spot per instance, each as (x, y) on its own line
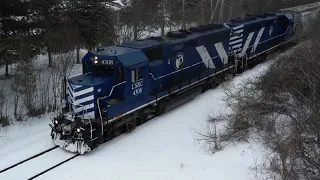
(101, 70)
(120, 75)
(136, 74)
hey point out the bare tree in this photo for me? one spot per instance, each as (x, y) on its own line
(282, 109)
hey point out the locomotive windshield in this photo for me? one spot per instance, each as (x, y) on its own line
(103, 71)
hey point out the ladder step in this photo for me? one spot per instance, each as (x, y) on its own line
(94, 138)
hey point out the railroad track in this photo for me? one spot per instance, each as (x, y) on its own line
(28, 159)
(49, 169)
(31, 160)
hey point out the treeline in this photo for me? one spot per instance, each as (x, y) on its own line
(37, 26)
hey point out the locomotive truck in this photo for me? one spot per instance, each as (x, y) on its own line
(123, 85)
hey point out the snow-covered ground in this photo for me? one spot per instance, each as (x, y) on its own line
(163, 148)
(47, 80)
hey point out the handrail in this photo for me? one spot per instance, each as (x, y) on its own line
(83, 113)
(98, 103)
(114, 87)
(100, 98)
(152, 76)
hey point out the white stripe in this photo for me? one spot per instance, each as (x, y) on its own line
(86, 99)
(236, 37)
(116, 118)
(222, 52)
(257, 39)
(215, 57)
(236, 46)
(84, 108)
(205, 56)
(238, 31)
(236, 51)
(246, 45)
(69, 87)
(70, 98)
(238, 27)
(90, 115)
(235, 42)
(85, 91)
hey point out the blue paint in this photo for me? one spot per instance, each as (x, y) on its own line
(167, 64)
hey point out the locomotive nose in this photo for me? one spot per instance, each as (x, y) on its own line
(84, 91)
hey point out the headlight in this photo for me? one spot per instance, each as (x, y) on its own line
(95, 60)
(56, 121)
(78, 130)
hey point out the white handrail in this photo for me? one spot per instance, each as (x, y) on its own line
(152, 76)
(98, 100)
(114, 87)
(83, 113)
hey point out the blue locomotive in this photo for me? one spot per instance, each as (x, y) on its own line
(122, 86)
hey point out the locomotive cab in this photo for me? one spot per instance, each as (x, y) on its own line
(134, 85)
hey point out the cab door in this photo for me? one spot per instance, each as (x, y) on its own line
(136, 86)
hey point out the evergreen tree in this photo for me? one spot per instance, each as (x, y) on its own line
(93, 20)
(46, 15)
(140, 15)
(14, 29)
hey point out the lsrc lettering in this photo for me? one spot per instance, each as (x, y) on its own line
(137, 88)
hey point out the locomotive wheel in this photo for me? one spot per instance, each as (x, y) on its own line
(161, 108)
(117, 132)
(130, 125)
(141, 119)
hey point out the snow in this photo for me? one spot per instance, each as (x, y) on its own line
(163, 148)
(35, 166)
(45, 78)
(118, 2)
(70, 146)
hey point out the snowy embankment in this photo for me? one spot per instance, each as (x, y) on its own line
(163, 148)
(47, 83)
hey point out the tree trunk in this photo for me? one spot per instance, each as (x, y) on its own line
(221, 11)
(182, 18)
(78, 55)
(7, 66)
(213, 11)
(6, 63)
(16, 101)
(163, 20)
(135, 30)
(162, 25)
(202, 12)
(162, 28)
(49, 56)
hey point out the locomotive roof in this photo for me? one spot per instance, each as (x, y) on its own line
(143, 43)
(127, 56)
(161, 40)
(251, 19)
(131, 53)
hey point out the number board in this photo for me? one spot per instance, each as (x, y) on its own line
(107, 62)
